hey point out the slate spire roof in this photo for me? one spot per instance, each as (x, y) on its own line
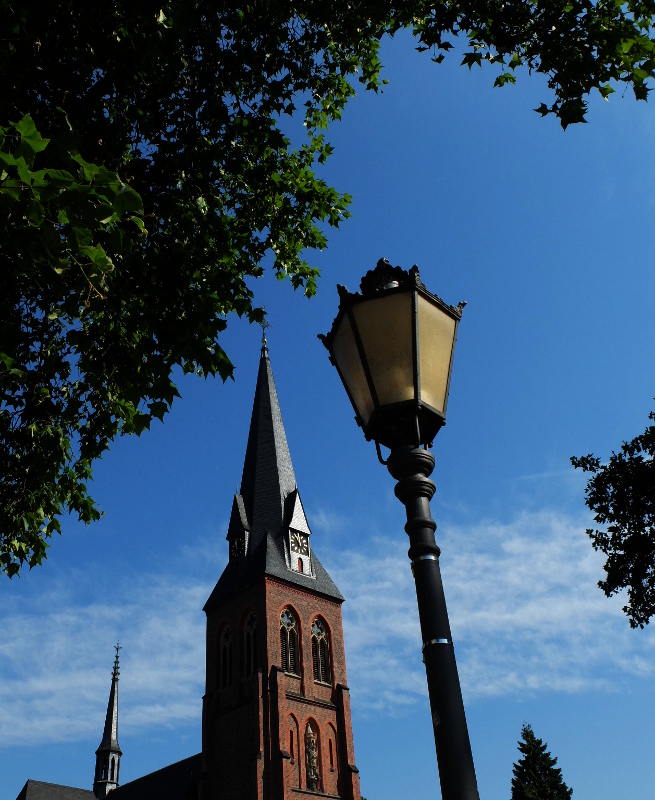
(266, 504)
(109, 741)
(268, 477)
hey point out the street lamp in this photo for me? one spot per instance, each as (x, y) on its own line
(393, 347)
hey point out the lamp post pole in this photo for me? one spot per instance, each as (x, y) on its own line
(411, 467)
(393, 346)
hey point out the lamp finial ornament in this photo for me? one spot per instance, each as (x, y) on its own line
(383, 277)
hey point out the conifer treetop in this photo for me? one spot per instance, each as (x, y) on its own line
(535, 775)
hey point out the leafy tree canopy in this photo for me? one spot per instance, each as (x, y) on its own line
(621, 494)
(535, 775)
(146, 178)
(64, 230)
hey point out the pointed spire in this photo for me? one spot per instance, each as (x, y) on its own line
(266, 503)
(268, 476)
(109, 752)
(110, 734)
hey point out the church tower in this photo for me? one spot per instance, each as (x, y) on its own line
(108, 755)
(276, 712)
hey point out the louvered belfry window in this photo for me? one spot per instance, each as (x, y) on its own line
(320, 652)
(250, 645)
(289, 642)
(225, 677)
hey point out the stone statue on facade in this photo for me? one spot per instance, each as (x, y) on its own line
(311, 756)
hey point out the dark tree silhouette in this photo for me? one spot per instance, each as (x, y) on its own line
(535, 775)
(621, 494)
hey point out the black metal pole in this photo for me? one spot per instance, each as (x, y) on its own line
(411, 466)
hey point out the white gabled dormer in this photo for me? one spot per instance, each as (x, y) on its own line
(299, 533)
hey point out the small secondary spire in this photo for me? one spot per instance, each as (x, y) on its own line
(108, 754)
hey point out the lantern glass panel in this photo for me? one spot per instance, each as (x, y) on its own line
(436, 334)
(346, 356)
(385, 329)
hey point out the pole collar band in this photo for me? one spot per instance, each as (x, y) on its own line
(434, 641)
(429, 557)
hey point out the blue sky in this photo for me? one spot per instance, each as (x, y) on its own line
(548, 237)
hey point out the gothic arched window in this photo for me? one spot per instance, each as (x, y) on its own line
(111, 770)
(289, 642)
(225, 671)
(320, 652)
(250, 645)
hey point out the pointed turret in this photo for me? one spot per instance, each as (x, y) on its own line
(108, 754)
(268, 506)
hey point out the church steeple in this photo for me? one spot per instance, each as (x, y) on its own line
(108, 754)
(276, 710)
(267, 507)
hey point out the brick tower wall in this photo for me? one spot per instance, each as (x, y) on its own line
(301, 700)
(234, 717)
(248, 750)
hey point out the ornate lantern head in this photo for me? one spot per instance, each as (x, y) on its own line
(393, 347)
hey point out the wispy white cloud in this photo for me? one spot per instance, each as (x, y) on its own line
(525, 611)
(328, 520)
(56, 658)
(555, 475)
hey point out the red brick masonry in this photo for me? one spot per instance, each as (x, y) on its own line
(254, 729)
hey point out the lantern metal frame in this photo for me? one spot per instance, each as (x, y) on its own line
(390, 424)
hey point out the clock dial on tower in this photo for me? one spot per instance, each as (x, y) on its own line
(299, 543)
(237, 546)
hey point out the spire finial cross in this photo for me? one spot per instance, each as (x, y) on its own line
(264, 325)
(117, 647)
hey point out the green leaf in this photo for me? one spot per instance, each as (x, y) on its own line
(127, 200)
(35, 212)
(158, 409)
(97, 255)
(89, 170)
(31, 141)
(139, 223)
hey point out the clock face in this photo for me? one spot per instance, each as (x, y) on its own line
(299, 543)
(237, 546)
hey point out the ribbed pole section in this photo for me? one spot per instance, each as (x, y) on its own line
(411, 466)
